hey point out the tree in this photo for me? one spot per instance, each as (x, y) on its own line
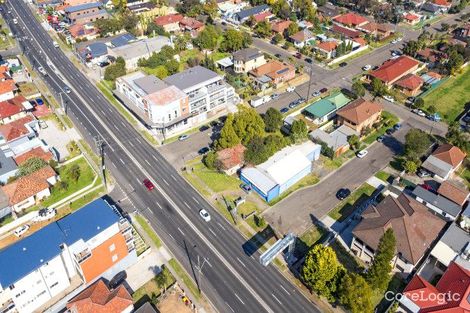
(282, 9)
(419, 103)
(272, 120)
(207, 39)
(228, 137)
(163, 278)
(292, 29)
(378, 87)
(320, 271)
(157, 29)
(358, 88)
(263, 29)
(129, 21)
(74, 172)
(354, 142)
(248, 124)
(115, 70)
(378, 275)
(298, 131)
(256, 151)
(172, 66)
(30, 166)
(455, 61)
(277, 38)
(234, 40)
(416, 143)
(260, 221)
(210, 160)
(457, 137)
(431, 109)
(410, 166)
(356, 294)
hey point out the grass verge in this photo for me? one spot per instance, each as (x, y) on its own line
(149, 230)
(153, 288)
(181, 273)
(383, 176)
(109, 95)
(346, 207)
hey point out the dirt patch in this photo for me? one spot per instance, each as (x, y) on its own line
(173, 301)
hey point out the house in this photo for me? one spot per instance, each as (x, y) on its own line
(64, 256)
(286, 167)
(440, 205)
(462, 32)
(443, 5)
(22, 127)
(142, 49)
(280, 27)
(430, 56)
(328, 11)
(7, 89)
(431, 8)
(76, 2)
(28, 190)
(411, 18)
(98, 298)
(85, 31)
(263, 16)
(359, 115)
(273, 73)
(170, 23)
(444, 161)
(40, 152)
(231, 159)
(247, 59)
(325, 109)
(302, 38)
(450, 294)
(326, 49)
(453, 192)
(410, 85)
(13, 109)
(337, 140)
(85, 13)
(8, 168)
(345, 31)
(415, 230)
(377, 30)
(191, 25)
(394, 69)
(351, 19)
(146, 308)
(243, 16)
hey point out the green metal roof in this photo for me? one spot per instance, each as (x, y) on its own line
(338, 99)
(327, 105)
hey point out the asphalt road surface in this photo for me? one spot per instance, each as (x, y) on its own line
(233, 280)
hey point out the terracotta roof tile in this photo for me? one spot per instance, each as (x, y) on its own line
(453, 193)
(281, 26)
(7, 86)
(393, 69)
(351, 33)
(37, 152)
(191, 23)
(351, 19)
(273, 69)
(11, 107)
(327, 45)
(231, 157)
(411, 17)
(359, 110)
(450, 154)
(262, 16)
(410, 81)
(168, 19)
(360, 41)
(15, 129)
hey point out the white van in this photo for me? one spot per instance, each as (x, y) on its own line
(55, 44)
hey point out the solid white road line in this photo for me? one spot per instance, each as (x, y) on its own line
(229, 307)
(165, 182)
(179, 229)
(239, 299)
(147, 162)
(159, 206)
(276, 299)
(285, 290)
(122, 161)
(212, 232)
(240, 261)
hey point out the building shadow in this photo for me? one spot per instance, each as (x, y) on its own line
(258, 240)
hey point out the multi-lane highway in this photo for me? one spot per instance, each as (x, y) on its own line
(231, 279)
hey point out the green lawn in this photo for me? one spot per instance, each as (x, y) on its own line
(383, 176)
(149, 230)
(153, 288)
(347, 206)
(396, 285)
(346, 259)
(450, 98)
(215, 180)
(308, 239)
(187, 280)
(465, 174)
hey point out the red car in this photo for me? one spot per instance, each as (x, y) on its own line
(148, 184)
(427, 187)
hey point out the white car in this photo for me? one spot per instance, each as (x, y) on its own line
(367, 67)
(389, 98)
(183, 137)
(205, 215)
(362, 154)
(15, 21)
(419, 112)
(42, 70)
(290, 89)
(21, 230)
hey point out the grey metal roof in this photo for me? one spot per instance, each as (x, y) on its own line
(81, 7)
(437, 166)
(146, 308)
(7, 164)
(122, 40)
(141, 48)
(429, 7)
(150, 84)
(456, 238)
(191, 77)
(246, 54)
(336, 139)
(251, 11)
(97, 49)
(436, 200)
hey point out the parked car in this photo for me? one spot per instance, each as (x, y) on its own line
(410, 100)
(67, 89)
(362, 154)
(390, 131)
(284, 110)
(205, 215)
(397, 126)
(246, 188)
(45, 214)
(275, 96)
(389, 98)
(466, 118)
(39, 101)
(183, 137)
(15, 21)
(19, 231)
(278, 55)
(298, 55)
(419, 112)
(117, 279)
(316, 94)
(343, 64)
(423, 173)
(323, 90)
(55, 44)
(380, 138)
(203, 150)
(367, 67)
(203, 128)
(343, 193)
(290, 89)
(308, 60)
(148, 184)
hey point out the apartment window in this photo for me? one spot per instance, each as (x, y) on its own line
(114, 258)
(43, 292)
(38, 282)
(54, 284)
(112, 247)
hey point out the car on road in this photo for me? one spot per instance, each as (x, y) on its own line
(19, 231)
(343, 64)
(42, 70)
(15, 21)
(183, 137)
(223, 23)
(380, 138)
(275, 96)
(278, 55)
(343, 193)
(148, 184)
(390, 131)
(366, 67)
(205, 215)
(293, 104)
(323, 90)
(67, 89)
(397, 126)
(410, 100)
(466, 118)
(375, 67)
(203, 150)
(246, 188)
(389, 98)
(316, 94)
(419, 112)
(284, 110)
(55, 44)
(308, 60)
(298, 55)
(362, 154)
(203, 128)
(423, 173)
(290, 89)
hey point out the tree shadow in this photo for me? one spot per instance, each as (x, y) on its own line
(258, 240)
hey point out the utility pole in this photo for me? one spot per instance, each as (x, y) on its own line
(99, 144)
(309, 82)
(63, 104)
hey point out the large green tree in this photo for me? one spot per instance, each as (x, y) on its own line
(416, 143)
(358, 88)
(298, 131)
(457, 137)
(378, 275)
(378, 87)
(263, 29)
(356, 294)
(228, 137)
(208, 38)
(272, 120)
(248, 124)
(234, 40)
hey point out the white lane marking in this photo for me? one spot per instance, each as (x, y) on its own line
(221, 226)
(138, 140)
(137, 180)
(239, 299)
(159, 206)
(196, 200)
(212, 232)
(165, 181)
(148, 208)
(173, 176)
(122, 161)
(180, 231)
(208, 263)
(240, 261)
(187, 205)
(285, 290)
(229, 307)
(171, 236)
(147, 162)
(276, 299)
(155, 158)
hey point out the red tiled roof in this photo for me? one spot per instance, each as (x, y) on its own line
(360, 41)
(372, 27)
(11, 107)
(411, 17)
(302, 35)
(262, 16)
(351, 33)
(191, 23)
(393, 69)
(37, 152)
(450, 154)
(410, 82)
(443, 3)
(280, 26)
(15, 129)
(350, 19)
(327, 45)
(453, 193)
(359, 110)
(7, 86)
(99, 299)
(231, 157)
(168, 19)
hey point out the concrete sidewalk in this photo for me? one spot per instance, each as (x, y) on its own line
(145, 269)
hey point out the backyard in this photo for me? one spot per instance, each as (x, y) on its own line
(451, 97)
(343, 210)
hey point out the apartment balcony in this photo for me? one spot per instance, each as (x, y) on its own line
(124, 226)
(216, 87)
(194, 96)
(82, 256)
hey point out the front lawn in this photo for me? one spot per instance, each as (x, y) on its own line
(307, 181)
(383, 176)
(215, 180)
(347, 206)
(450, 98)
(308, 239)
(152, 289)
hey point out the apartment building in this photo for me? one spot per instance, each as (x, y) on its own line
(85, 13)
(248, 59)
(66, 255)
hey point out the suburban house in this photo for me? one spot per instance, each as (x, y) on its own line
(430, 8)
(394, 69)
(345, 31)
(411, 18)
(415, 230)
(444, 161)
(142, 49)
(14, 109)
(462, 32)
(302, 38)
(231, 159)
(280, 27)
(326, 49)
(28, 190)
(7, 89)
(443, 5)
(41, 152)
(98, 298)
(263, 16)
(351, 19)
(325, 109)
(247, 59)
(170, 23)
(441, 206)
(17, 129)
(271, 178)
(450, 294)
(76, 2)
(244, 15)
(430, 56)
(359, 115)
(85, 13)
(80, 31)
(336, 140)
(377, 30)
(410, 85)
(328, 11)
(8, 168)
(64, 256)
(191, 25)
(453, 192)
(273, 73)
